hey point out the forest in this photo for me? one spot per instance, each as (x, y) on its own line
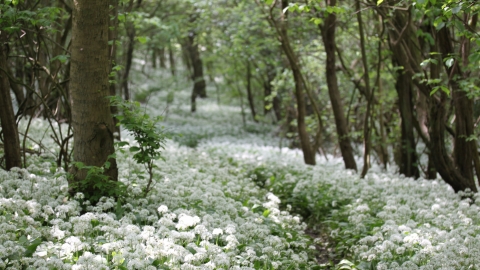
(239, 134)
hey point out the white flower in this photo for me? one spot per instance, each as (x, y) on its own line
(217, 231)
(162, 209)
(185, 221)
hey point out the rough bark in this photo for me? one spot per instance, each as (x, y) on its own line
(91, 118)
(11, 142)
(328, 37)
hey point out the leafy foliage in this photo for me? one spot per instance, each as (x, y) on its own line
(143, 128)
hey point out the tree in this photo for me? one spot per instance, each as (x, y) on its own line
(328, 37)
(7, 117)
(91, 118)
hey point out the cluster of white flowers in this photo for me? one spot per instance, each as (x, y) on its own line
(203, 212)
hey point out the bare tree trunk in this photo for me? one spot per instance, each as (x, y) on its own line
(367, 129)
(91, 118)
(171, 58)
(199, 84)
(408, 161)
(128, 64)
(249, 91)
(464, 148)
(7, 116)
(112, 51)
(328, 36)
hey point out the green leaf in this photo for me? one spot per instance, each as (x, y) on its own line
(268, 2)
(134, 149)
(379, 2)
(61, 58)
(33, 247)
(142, 39)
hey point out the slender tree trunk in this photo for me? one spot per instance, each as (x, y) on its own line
(128, 63)
(154, 58)
(249, 91)
(171, 58)
(328, 36)
(308, 152)
(199, 84)
(91, 118)
(367, 130)
(112, 51)
(162, 57)
(7, 116)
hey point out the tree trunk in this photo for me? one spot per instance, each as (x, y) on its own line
(11, 142)
(464, 148)
(328, 36)
(91, 118)
(308, 152)
(367, 131)
(249, 92)
(406, 49)
(171, 58)
(112, 51)
(199, 84)
(408, 156)
(128, 63)
(162, 57)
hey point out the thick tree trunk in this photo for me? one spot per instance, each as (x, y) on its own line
(328, 36)
(7, 116)
(91, 118)
(408, 161)
(406, 49)
(464, 148)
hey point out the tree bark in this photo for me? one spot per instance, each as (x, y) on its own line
(328, 36)
(464, 148)
(128, 63)
(171, 58)
(7, 116)
(199, 84)
(367, 131)
(408, 160)
(91, 118)
(249, 92)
